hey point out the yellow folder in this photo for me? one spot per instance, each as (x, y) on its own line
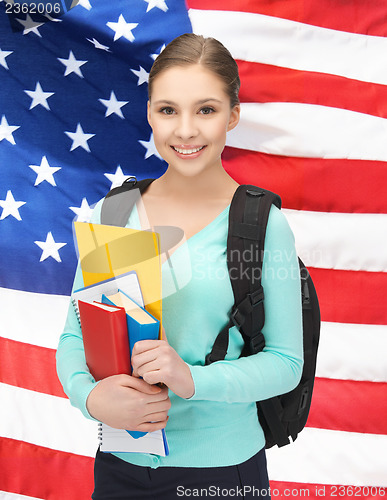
(108, 251)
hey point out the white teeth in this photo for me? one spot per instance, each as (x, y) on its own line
(187, 151)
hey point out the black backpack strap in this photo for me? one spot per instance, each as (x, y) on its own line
(270, 414)
(119, 202)
(249, 212)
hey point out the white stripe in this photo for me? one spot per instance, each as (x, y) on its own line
(309, 130)
(45, 420)
(331, 457)
(339, 354)
(354, 242)
(5, 495)
(52, 423)
(281, 42)
(33, 318)
(352, 352)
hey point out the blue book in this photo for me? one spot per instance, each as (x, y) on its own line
(141, 326)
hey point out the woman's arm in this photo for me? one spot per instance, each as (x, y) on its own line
(121, 401)
(277, 369)
(274, 371)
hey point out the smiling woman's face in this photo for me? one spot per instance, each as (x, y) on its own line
(190, 114)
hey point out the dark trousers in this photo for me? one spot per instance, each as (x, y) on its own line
(115, 479)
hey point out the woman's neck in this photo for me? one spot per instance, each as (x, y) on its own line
(208, 185)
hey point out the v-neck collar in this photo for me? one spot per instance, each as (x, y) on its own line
(195, 236)
(208, 226)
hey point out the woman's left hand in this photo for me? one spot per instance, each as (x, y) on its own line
(157, 362)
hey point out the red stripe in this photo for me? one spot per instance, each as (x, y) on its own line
(30, 367)
(344, 296)
(347, 405)
(43, 473)
(31, 470)
(351, 296)
(314, 184)
(267, 83)
(281, 489)
(356, 16)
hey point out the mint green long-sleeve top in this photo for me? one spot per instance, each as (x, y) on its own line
(218, 425)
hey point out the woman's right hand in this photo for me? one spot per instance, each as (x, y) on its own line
(126, 402)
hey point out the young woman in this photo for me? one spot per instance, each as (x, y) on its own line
(209, 412)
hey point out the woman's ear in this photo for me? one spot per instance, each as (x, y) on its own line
(234, 117)
(149, 113)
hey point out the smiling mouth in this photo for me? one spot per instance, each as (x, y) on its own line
(187, 151)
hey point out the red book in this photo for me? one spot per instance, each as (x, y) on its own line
(105, 339)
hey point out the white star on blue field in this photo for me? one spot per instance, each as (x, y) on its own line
(72, 125)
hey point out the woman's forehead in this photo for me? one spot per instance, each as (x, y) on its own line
(194, 82)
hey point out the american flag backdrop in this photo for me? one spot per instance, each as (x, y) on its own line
(313, 128)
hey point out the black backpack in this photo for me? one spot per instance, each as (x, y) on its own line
(282, 416)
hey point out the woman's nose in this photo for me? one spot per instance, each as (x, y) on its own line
(186, 127)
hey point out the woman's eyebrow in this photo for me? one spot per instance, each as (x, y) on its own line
(201, 101)
(164, 101)
(208, 99)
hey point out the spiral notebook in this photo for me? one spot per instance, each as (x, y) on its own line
(128, 282)
(119, 441)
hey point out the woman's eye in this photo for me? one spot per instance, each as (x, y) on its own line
(207, 110)
(167, 111)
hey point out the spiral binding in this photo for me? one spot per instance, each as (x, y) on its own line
(100, 434)
(76, 310)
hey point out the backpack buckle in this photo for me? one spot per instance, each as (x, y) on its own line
(237, 318)
(238, 314)
(305, 295)
(257, 343)
(256, 297)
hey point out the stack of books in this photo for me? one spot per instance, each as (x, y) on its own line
(113, 318)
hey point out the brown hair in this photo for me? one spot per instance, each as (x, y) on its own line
(195, 49)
